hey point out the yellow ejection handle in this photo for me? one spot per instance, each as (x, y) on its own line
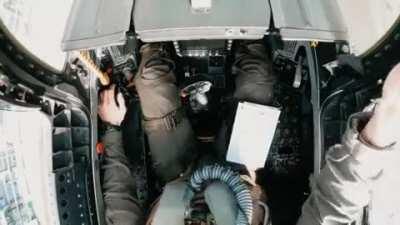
(85, 58)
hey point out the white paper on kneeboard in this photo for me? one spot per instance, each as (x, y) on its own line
(252, 134)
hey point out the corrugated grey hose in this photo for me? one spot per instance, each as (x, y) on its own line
(233, 180)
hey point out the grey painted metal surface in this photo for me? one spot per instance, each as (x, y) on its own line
(160, 20)
(309, 20)
(94, 23)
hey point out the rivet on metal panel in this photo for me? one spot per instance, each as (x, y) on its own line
(243, 32)
(229, 31)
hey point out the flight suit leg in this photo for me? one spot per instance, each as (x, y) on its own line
(254, 83)
(119, 187)
(170, 136)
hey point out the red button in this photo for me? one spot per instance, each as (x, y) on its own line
(100, 148)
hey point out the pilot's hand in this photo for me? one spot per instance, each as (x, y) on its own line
(108, 109)
(384, 127)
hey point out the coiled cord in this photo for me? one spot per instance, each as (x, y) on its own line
(85, 58)
(234, 182)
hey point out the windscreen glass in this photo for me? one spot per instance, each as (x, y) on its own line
(38, 25)
(368, 21)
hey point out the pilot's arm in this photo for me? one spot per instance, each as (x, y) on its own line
(121, 206)
(342, 189)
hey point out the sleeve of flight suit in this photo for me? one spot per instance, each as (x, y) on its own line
(342, 189)
(119, 189)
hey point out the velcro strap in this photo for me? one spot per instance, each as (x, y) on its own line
(167, 122)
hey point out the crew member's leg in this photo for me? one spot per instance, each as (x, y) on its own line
(254, 83)
(170, 135)
(255, 79)
(119, 186)
(118, 183)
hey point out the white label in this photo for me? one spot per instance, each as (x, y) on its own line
(201, 4)
(252, 134)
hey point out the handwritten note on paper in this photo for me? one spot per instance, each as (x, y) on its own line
(252, 134)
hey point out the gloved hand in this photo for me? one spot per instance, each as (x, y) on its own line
(108, 109)
(383, 129)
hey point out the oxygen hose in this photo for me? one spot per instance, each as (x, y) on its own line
(242, 194)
